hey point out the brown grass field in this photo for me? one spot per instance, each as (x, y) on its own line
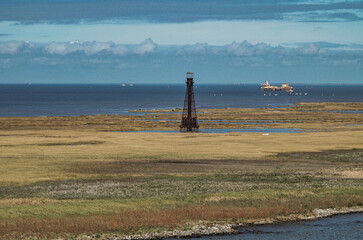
(66, 176)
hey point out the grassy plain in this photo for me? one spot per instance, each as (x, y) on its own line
(88, 174)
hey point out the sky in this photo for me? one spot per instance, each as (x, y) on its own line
(158, 41)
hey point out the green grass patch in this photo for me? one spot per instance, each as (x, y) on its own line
(126, 187)
(345, 156)
(302, 198)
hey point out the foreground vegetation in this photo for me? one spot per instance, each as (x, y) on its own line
(66, 176)
(67, 218)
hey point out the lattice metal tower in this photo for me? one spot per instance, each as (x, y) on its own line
(189, 121)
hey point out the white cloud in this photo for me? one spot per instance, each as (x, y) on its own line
(12, 47)
(96, 47)
(62, 48)
(197, 48)
(146, 46)
(262, 48)
(119, 50)
(311, 49)
(88, 48)
(246, 49)
(56, 53)
(242, 49)
(91, 48)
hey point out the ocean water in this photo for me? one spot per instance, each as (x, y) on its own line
(74, 100)
(342, 227)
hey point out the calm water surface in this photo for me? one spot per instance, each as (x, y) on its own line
(229, 130)
(341, 227)
(74, 100)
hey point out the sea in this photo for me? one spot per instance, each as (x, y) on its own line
(30, 100)
(339, 227)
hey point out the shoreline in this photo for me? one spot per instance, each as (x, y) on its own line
(220, 229)
(142, 111)
(301, 116)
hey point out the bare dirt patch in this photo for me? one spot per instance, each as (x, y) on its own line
(355, 174)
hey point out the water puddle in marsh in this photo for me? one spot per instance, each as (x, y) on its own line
(337, 111)
(248, 121)
(229, 130)
(221, 121)
(341, 227)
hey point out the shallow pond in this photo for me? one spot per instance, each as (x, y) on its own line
(228, 130)
(342, 227)
(338, 111)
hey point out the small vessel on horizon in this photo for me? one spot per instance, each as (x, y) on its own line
(284, 87)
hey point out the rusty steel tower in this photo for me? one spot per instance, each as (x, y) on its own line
(189, 121)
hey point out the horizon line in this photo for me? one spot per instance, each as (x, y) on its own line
(210, 83)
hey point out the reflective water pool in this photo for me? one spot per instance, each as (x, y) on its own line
(228, 130)
(340, 227)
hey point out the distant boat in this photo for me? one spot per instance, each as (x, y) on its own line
(284, 87)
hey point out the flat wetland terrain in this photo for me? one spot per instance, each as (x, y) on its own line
(63, 177)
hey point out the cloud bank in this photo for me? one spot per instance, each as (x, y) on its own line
(90, 48)
(149, 47)
(81, 62)
(13, 47)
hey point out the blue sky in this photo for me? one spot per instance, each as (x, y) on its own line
(116, 41)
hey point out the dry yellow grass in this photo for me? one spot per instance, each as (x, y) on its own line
(29, 156)
(36, 149)
(331, 105)
(354, 174)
